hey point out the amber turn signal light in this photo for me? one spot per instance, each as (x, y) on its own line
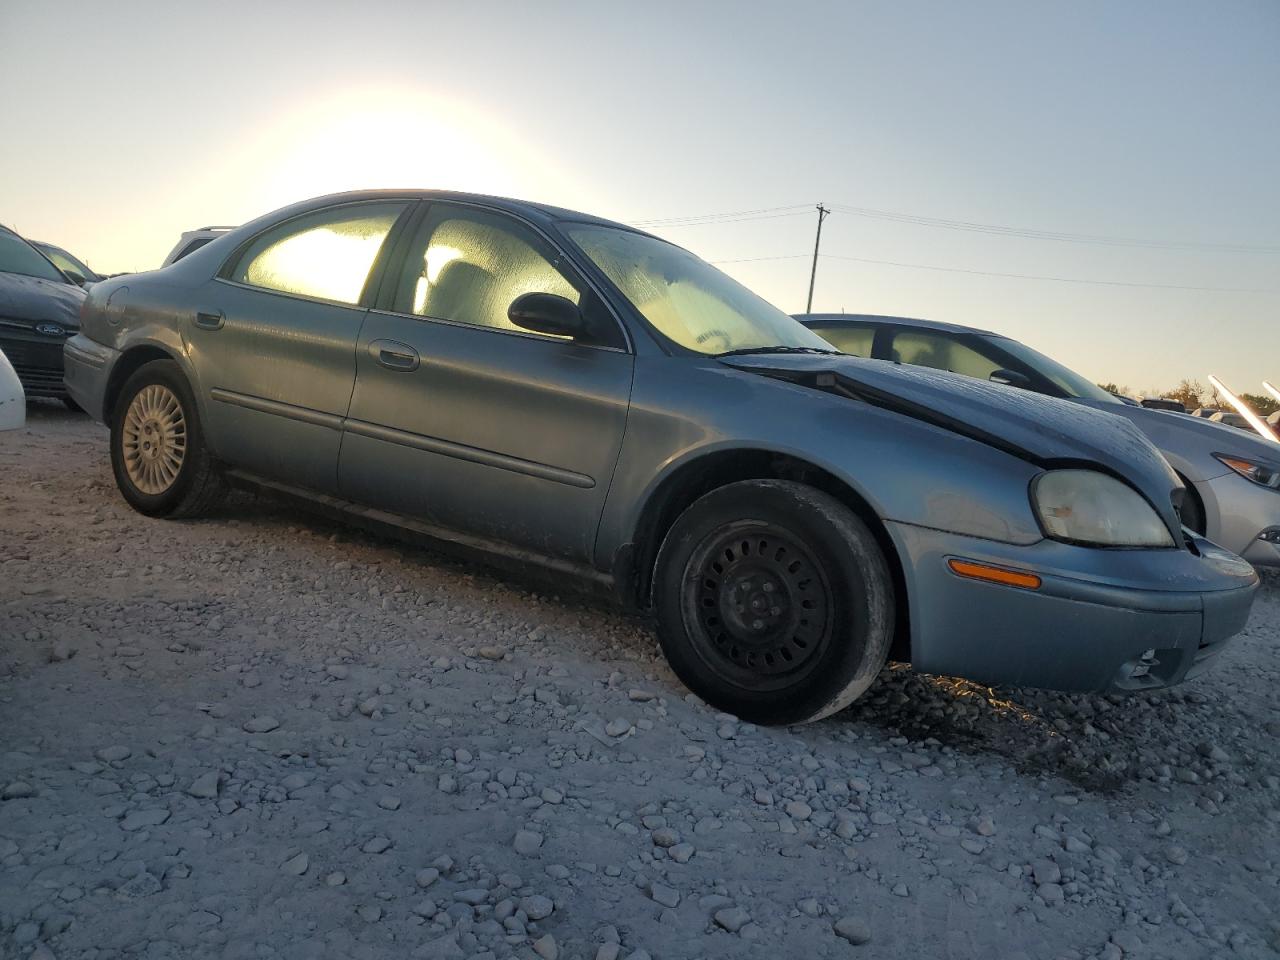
(981, 571)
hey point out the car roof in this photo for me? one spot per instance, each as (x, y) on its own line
(526, 208)
(811, 319)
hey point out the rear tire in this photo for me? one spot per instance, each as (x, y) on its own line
(158, 454)
(774, 602)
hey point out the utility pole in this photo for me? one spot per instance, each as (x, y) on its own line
(813, 274)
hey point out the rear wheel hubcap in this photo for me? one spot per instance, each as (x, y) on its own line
(154, 439)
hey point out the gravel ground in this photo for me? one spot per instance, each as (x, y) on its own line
(264, 735)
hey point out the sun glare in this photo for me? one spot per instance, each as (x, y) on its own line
(375, 138)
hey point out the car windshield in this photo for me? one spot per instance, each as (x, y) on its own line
(687, 299)
(18, 256)
(1070, 381)
(66, 262)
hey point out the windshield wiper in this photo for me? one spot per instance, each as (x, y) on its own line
(747, 351)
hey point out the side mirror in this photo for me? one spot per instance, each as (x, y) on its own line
(1010, 378)
(547, 313)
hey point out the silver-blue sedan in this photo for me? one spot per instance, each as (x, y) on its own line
(576, 396)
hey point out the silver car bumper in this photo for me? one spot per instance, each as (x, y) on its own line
(86, 370)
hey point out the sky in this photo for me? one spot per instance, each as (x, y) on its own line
(1153, 122)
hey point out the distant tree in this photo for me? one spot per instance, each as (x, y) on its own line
(1190, 393)
(1262, 406)
(1111, 387)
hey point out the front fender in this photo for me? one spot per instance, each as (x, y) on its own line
(687, 411)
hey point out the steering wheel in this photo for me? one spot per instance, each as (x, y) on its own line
(704, 337)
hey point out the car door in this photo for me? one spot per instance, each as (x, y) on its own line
(469, 423)
(273, 339)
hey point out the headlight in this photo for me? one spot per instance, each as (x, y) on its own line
(1084, 506)
(1259, 473)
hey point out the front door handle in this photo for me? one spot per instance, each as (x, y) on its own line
(210, 321)
(395, 355)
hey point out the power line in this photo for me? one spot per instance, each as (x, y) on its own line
(993, 229)
(989, 229)
(788, 256)
(716, 223)
(1030, 276)
(990, 273)
(729, 216)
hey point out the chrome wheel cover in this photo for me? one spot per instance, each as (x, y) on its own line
(154, 439)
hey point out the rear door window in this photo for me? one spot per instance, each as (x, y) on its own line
(326, 254)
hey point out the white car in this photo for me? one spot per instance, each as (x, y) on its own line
(13, 401)
(192, 241)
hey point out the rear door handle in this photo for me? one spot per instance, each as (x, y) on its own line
(210, 321)
(395, 355)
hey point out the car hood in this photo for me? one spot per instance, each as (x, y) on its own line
(1043, 430)
(1201, 435)
(37, 300)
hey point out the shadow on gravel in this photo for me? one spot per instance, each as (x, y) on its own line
(279, 513)
(40, 410)
(1100, 743)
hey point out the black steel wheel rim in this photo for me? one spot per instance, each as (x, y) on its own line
(758, 605)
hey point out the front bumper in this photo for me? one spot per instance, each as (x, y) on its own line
(37, 360)
(1102, 620)
(87, 370)
(1243, 516)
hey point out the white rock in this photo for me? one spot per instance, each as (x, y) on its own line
(681, 852)
(537, 907)
(205, 786)
(1045, 871)
(527, 843)
(665, 837)
(853, 929)
(617, 727)
(1051, 892)
(732, 919)
(667, 896)
(798, 810)
(296, 865)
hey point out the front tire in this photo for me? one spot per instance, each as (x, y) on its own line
(158, 454)
(774, 602)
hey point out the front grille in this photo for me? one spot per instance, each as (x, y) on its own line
(37, 361)
(40, 381)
